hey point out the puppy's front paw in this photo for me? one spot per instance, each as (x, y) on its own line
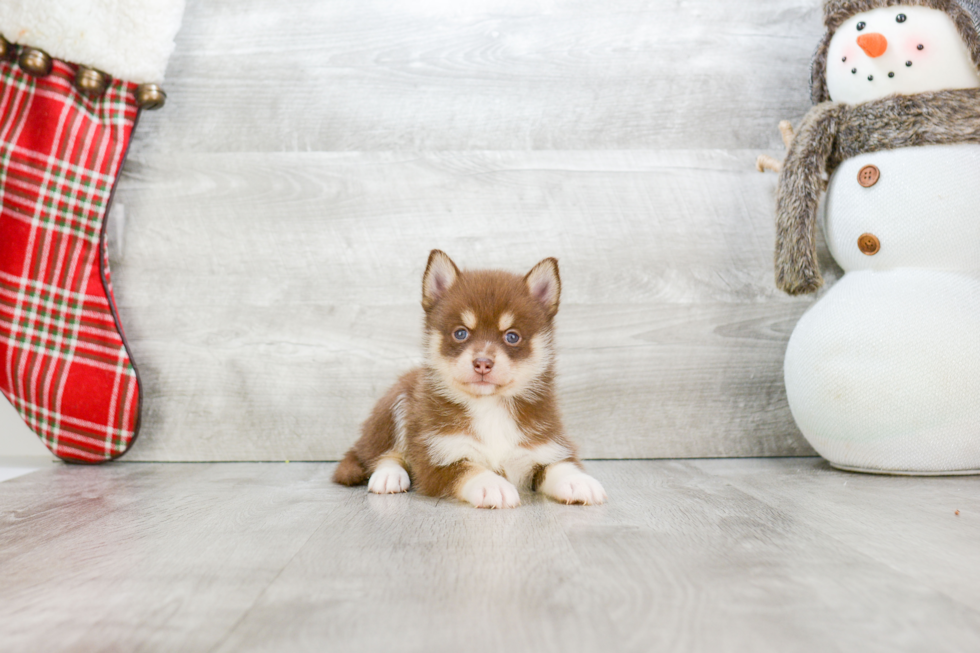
(567, 483)
(489, 490)
(389, 478)
(580, 489)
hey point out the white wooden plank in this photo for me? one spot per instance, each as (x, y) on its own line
(138, 557)
(253, 75)
(678, 560)
(891, 520)
(270, 298)
(694, 556)
(296, 382)
(672, 226)
(312, 153)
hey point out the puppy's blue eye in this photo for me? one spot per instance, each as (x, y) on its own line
(461, 334)
(512, 337)
(861, 26)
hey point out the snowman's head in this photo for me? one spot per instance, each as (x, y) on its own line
(906, 46)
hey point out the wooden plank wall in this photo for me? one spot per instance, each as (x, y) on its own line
(273, 220)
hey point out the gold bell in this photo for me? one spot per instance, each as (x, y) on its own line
(150, 96)
(6, 48)
(91, 82)
(35, 62)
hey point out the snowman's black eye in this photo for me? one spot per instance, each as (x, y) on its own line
(900, 18)
(861, 25)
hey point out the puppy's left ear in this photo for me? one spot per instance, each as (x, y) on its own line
(440, 274)
(545, 284)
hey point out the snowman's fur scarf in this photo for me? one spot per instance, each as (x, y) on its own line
(833, 132)
(837, 11)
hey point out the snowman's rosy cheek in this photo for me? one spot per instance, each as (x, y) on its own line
(915, 48)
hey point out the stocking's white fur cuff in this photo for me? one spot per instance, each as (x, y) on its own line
(129, 39)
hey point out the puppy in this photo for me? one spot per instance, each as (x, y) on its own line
(479, 419)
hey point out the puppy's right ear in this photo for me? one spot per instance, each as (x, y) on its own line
(440, 275)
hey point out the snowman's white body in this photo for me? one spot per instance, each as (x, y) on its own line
(883, 373)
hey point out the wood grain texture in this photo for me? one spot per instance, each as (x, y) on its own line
(688, 556)
(146, 558)
(920, 520)
(382, 75)
(273, 220)
(269, 299)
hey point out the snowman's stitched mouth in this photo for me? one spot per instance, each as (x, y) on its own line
(871, 78)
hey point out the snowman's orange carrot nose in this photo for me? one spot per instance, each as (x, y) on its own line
(873, 44)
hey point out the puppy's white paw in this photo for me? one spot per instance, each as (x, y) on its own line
(389, 478)
(567, 483)
(580, 489)
(489, 490)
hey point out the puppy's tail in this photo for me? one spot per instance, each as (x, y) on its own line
(350, 471)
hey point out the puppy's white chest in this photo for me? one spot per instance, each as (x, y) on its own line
(494, 442)
(497, 434)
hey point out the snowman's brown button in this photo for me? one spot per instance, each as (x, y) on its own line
(868, 176)
(869, 244)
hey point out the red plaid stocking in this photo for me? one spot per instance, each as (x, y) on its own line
(64, 363)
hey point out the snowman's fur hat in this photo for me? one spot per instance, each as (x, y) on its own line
(833, 132)
(965, 15)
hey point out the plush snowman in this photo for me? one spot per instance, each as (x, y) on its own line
(883, 372)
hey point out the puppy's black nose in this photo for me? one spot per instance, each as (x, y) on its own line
(482, 365)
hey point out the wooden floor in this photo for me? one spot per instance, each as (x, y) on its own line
(725, 555)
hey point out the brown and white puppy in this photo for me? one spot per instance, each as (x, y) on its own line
(479, 419)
